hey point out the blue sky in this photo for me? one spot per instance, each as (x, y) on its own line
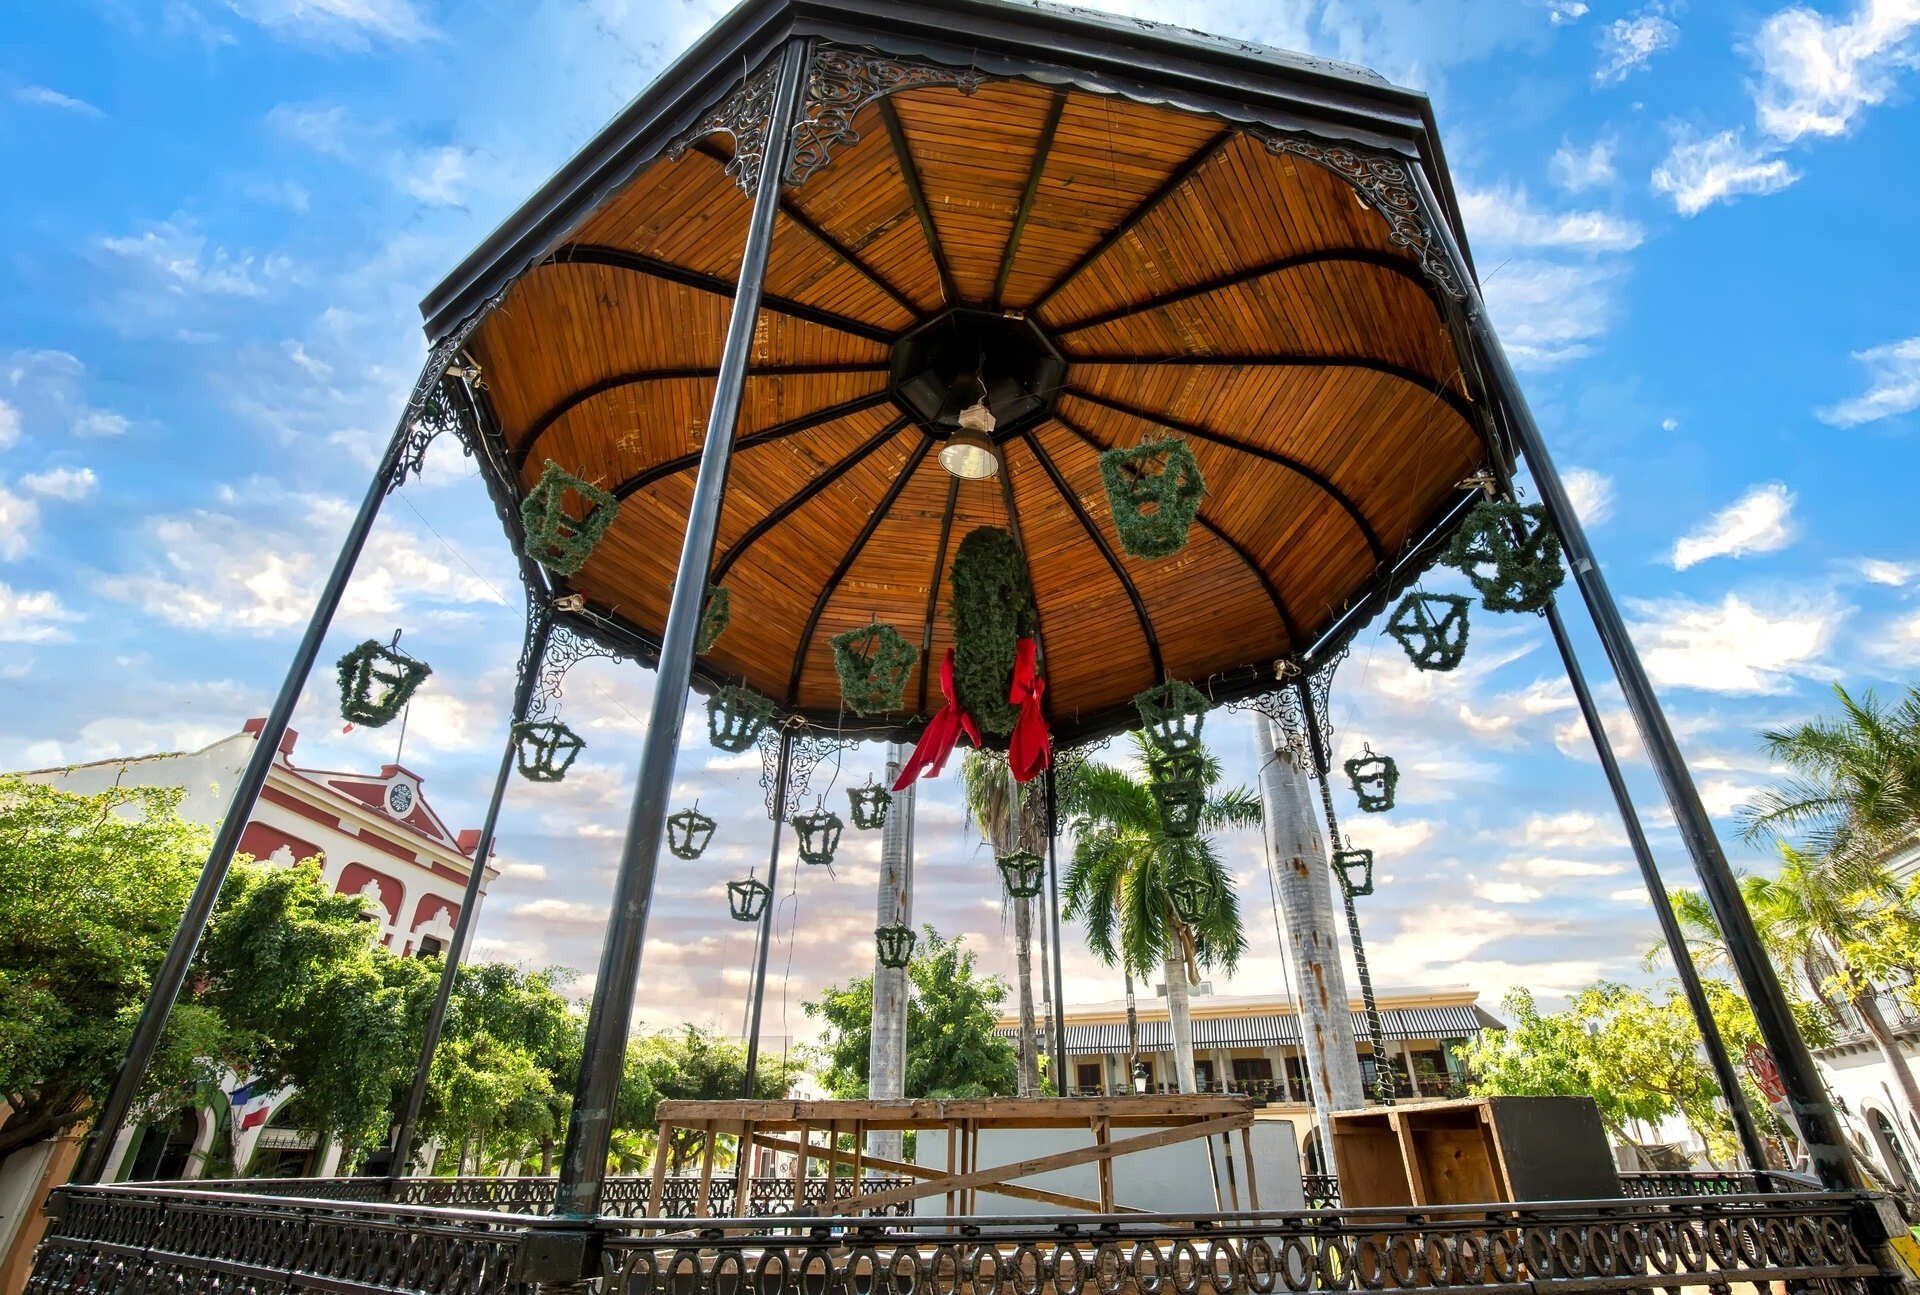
(1693, 225)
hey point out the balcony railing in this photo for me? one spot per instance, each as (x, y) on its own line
(622, 1197)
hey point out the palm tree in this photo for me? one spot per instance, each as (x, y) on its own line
(1005, 813)
(1855, 793)
(1120, 882)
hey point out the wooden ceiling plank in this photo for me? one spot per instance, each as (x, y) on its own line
(933, 588)
(910, 177)
(1041, 152)
(1438, 390)
(680, 463)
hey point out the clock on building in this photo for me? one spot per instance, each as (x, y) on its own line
(399, 799)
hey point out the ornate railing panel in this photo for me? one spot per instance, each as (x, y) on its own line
(621, 1197)
(1322, 1191)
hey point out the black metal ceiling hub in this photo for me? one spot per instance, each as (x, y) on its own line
(1017, 367)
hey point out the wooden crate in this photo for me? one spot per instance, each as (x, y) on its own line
(1478, 1150)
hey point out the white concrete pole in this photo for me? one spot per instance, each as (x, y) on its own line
(887, 1040)
(1306, 898)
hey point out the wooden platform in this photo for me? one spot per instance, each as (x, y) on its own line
(787, 1126)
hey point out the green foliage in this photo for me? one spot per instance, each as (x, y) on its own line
(1509, 554)
(377, 681)
(1154, 490)
(545, 749)
(1433, 642)
(992, 609)
(691, 1064)
(714, 617)
(952, 1050)
(561, 534)
(873, 662)
(735, 716)
(1373, 778)
(1854, 793)
(1172, 714)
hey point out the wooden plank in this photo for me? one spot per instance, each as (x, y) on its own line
(800, 1169)
(1103, 1134)
(1253, 1180)
(660, 1137)
(1410, 1158)
(903, 1169)
(702, 1207)
(988, 1112)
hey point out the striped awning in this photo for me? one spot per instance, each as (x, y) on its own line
(1271, 1030)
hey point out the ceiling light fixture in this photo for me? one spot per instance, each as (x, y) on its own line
(969, 453)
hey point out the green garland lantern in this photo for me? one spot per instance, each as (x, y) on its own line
(1154, 490)
(1356, 871)
(689, 832)
(894, 945)
(1509, 554)
(545, 749)
(562, 538)
(1177, 780)
(376, 682)
(873, 663)
(747, 899)
(714, 616)
(819, 835)
(1192, 895)
(1374, 778)
(1431, 629)
(1022, 871)
(867, 806)
(735, 716)
(991, 610)
(1172, 715)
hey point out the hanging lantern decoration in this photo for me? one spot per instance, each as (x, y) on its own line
(894, 945)
(867, 805)
(1022, 872)
(1509, 554)
(819, 835)
(1154, 490)
(1177, 780)
(735, 716)
(688, 833)
(1172, 715)
(991, 611)
(558, 537)
(873, 663)
(545, 749)
(1373, 777)
(1356, 870)
(1192, 895)
(713, 619)
(1431, 629)
(376, 682)
(747, 899)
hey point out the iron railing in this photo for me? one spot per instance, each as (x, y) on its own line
(137, 1240)
(621, 1197)
(1322, 1191)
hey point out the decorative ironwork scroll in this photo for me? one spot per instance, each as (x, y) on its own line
(566, 648)
(1068, 761)
(840, 82)
(1282, 706)
(811, 747)
(747, 115)
(1382, 183)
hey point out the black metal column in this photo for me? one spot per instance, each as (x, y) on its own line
(583, 1167)
(1819, 1126)
(172, 973)
(1060, 1061)
(539, 626)
(757, 991)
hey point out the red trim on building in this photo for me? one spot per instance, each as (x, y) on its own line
(387, 845)
(354, 878)
(287, 800)
(435, 904)
(261, 839)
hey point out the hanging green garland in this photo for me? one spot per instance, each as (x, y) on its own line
(1509, 554)
(377, 680)
(868, 805)
(1154, 490)
(819, 835)
(1431, 629)
(560, 538)
(992, 610)
(545, 749)
(713, 618)
(1177, 780)
(688, 833)
(735, 716)
(1374, 778)
(747, 899)
(1192, 896)
(1356, 871)
(1172, 714)
(873, 663)
(1021, 872)
(894, 944)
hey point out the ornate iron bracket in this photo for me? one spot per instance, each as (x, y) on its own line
(566, 648)
(747, 115)
(840, 82)
(1383, 184)
(1282, 706)
(811, 748)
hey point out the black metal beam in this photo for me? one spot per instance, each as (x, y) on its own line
(792, 427)
(786, 508)
(1146, 207)
(933, 589)
(1106, 551)
(1041, 151)
(1437, 389)
(639, 377)
(1240, 550)
(619, 258)
(910, 177)
(1323, 256)
(847, 560)
(1287, 461)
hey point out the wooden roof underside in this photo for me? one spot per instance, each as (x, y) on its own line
(1194, 279)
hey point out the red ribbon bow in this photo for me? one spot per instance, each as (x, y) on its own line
(943, 730)
(1031, 748)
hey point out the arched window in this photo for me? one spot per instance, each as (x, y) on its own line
(1892, 1154)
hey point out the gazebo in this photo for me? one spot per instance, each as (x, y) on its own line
(847, 284)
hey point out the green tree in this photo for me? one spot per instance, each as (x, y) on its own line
(952, 1049)
(1010, 817)
(1855, 786)
(692, 1064)
(1123, 868)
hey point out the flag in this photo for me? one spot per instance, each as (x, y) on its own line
(250, 1107)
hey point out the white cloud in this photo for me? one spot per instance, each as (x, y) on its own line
(40, 96)
(1560, 869)
(1699, 172)
(99, 422)
(18, 514)
(350, 23)
(1549, 313)
(1669, 424)
(1571, 828)
(1626, 45)
(1592, 494)
(1505, 892)
(32, 616)
(1505, 215)
(1893, 386)
(69, 484)
(178, 256)
(1879, 571)
(9, 425)
(1739, 645)
(1579, 169)
(1760, 521)
(437, 176)
(1563, 13)
(1817, 74)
